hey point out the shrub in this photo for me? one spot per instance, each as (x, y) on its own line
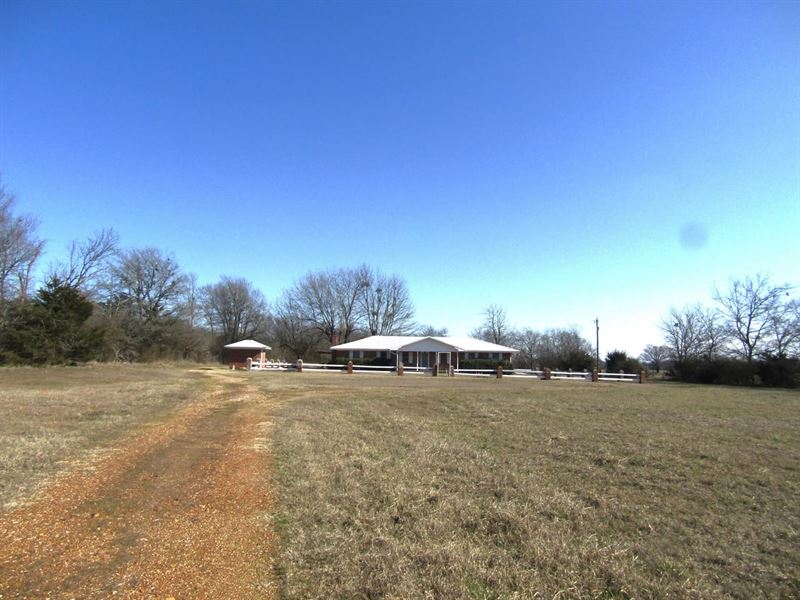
(50, 329)
(484, 363)
(779, 371)
(618, 360)
(372, 362)
(723, 371)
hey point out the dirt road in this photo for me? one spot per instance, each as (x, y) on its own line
(178, 510)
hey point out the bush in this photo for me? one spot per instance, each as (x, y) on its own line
(484, 363)
(50, 329)
(779, 371)
(618, 360)
(576, 360)
(372, 362)
(724, 371)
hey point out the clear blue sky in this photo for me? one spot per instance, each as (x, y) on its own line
(542, 156)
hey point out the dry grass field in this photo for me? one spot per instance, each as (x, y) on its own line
(389, 487)
(49, 417)
(441, 488)
(134, 482)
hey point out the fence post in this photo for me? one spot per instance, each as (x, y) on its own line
(499, 371)
(400, 369)
(349, 367)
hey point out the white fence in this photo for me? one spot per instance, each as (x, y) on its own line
(386, 370)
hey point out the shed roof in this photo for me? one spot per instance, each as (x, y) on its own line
(394, 343)
(247, 345)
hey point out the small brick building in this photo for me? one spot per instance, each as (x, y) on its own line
(236, 354)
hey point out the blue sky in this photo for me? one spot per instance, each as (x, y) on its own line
(542, 156)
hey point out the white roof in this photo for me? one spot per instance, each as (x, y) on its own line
(248, 345)
(394, 343)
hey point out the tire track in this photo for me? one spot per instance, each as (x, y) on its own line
(179, 510)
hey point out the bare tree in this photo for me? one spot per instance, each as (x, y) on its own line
(291, 332)
(348, 286)
(684, 333)
(750, 307)
(147, 283)
(385, 303)
(190, 303)
(88, 262)
(495, 327)
(235, 310)
(784, 330)
(431, 331)
(565, 349)
(315, 298)
(529, 344)
(340, 302)
(20, 250)
(655, 356)
(712, 332)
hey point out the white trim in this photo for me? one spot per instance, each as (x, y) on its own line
(247, 345)
(396, 343)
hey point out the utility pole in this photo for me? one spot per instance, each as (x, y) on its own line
(597, 345)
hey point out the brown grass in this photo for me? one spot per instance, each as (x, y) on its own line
(176, 509)
(410, 487)
(420, 487)
(51, 417)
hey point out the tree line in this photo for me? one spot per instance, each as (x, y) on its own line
(109, 303)
(562, 349)
(105, 302)
(750, 333)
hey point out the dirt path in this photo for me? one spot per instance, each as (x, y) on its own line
(177, 511)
